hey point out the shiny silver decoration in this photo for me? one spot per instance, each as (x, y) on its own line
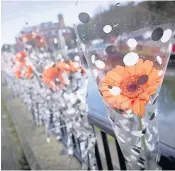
(53, 108)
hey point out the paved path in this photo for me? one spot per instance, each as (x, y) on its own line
(12, 157)
(39, 154)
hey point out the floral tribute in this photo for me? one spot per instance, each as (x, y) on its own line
(128, 56)
(130, 87)
(56, 76)
(23, 68)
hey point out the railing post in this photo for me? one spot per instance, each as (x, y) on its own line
(121, 157)
(107, 151)
(99, 164)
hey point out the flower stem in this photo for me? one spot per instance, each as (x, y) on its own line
(143, 142)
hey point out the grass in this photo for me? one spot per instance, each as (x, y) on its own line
(10, 123)
(23, 164)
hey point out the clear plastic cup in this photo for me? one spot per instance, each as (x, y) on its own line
(127, 49)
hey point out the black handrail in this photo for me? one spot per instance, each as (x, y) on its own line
(103, 123)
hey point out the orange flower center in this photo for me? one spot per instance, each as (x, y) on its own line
(133, 86)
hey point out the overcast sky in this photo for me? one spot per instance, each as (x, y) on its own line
(15, 14)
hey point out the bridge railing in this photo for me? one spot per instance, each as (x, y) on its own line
(104, 129)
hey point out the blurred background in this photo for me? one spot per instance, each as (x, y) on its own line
(48, 27)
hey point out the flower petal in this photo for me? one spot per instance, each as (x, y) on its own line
(131, 69)
(152, 89)
(107, 81)
(139, 107)
(142, 108)
(121, 98)
(144, 96)
(113, 103)
(106, 94)
(116, 101)
(117, 105)
(153, 76)
(119, 70)
(112, 100)
(103, 88)
(138, 67)
(114, 76)
(126, 104)
(147, 67)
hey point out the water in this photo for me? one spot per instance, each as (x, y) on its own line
(166, 117)
(94, 100)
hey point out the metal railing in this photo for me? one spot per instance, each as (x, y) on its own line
(105, 128)
(103, 124)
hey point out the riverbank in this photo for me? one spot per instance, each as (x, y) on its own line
(39, 154)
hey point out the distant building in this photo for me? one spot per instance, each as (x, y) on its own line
(51, 33)
(8, 48)
(61, 21)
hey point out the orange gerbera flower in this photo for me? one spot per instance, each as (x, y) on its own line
(23, 71)
(52, 77)
(18, 74)
(70, 66)
(20, 56)
(62, 66)
(29, 72)
(130, 87)
(57, 76)
(75, 66)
